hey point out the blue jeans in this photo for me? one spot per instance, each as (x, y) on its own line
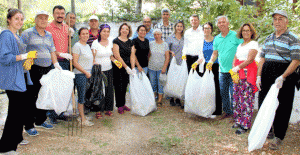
(156, 86)
(144, 68)
(226, 87)
(80, 84)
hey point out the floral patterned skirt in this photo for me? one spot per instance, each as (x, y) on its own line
(243, 103)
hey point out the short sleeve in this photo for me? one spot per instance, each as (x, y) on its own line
(115, 41)
(169, 42)
(76, 49)
(254, 45)
(215, 46)
(166, 46)
(295, 47)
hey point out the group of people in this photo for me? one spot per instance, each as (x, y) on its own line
(230, 56)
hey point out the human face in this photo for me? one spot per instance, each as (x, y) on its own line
(157, 36)
(105, 33)
(41, 21)
(16, 21)
(142, 32)
(165, 16)
(223, 24)
(280, 22)
(246, 32)
(72, 18)
(59, 15)
(207, 30)
(124, 30)
(94, 24)
(84, 35)
(179, 28)
(147, 22)
(194, 22)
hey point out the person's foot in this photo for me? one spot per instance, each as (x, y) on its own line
(108, 113)
(24, 142)
(45, 126)
(172, 102)
(98, 115)
(271, 134)
(126, 108)
(32, 132)
(225, 115)
(236, 126)
(10, 153)
(274, 145)
(120, 110)
(53, 121)
(241, 130)
(85, 122)
(212, 116)
(177, 102)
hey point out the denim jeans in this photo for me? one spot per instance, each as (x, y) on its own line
(156, 85)
(226, 87)
(80, 83)
(144, 68)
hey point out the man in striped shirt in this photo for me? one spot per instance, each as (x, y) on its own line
(279, 59)
(94, 29)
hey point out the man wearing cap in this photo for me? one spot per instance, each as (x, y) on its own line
(166, 27)
(94, 29)
(279, 58)
(39, 40)
(149, 32)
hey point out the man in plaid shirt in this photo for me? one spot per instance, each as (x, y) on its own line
(166, 27)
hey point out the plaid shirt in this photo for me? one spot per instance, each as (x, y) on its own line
(166, 31)
(287, 45)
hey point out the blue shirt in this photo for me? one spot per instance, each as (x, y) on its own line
(11, 71)
(43, 45)
(208, 50)
(149, 35)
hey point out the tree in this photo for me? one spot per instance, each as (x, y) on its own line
(138, 9)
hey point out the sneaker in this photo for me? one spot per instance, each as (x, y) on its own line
(85, 123)
(45, 125)
(241, 130)
(53, 121)
(172, 102)
(126, 108)
(24, 142)
(212, 116)
(32, 132)
(274, 145)
(177, 102)
(89, 118)
(10, 153)
(271, 134)
(236, 126)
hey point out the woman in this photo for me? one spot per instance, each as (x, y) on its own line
(122, 46)
(158, 63)
(12, 52)
(102, 49)
(207, 52)
(175, 42)
(244, 89)
(83, 63)
(140, 51)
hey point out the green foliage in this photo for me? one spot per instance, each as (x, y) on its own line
(28, 24)
(3, 12)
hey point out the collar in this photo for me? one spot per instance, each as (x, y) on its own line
(229, 33)
(36, 32)
(53, 25)
(92, 34)
(151, 31)
(285, 33)
(162, 23)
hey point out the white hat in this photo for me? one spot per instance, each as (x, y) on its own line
(94, 17)
(41, 13)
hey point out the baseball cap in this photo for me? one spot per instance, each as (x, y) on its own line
(94, 17)
(41, 13)
(280, 12)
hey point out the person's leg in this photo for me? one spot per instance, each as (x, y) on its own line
(80, 84)
(247, 107)
(109, 92)
(237, 94)
(224, 90)
(189, 62)
(160, 87)
(146, 70)
(153, 81)
(215, 70)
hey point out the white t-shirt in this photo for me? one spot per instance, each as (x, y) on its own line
(85, 57)
(243, 51)
(103, 54)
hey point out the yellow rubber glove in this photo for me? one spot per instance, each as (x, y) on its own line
(31, 54)
(209, 66)
(183, 57)
(194, 66)
(118, 64)
(235, 76)
(28, 63)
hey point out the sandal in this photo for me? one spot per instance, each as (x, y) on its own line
(236, 126)
(126, 108)
(98, 115)
(241, 130)
(120, 110)
(159, 103)
(108, 113)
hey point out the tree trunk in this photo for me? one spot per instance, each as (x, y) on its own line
(20, 8)
(73, 6)
(138, 8)
(294, 5)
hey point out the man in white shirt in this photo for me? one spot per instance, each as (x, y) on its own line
(193, 44)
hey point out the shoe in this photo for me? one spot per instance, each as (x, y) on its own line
(89, 118)
(225, 116)
(241, 130)
(271, 134)
(45, 126)
(85, 123)
(159, 103)
(53, 121)
(172, 102)
(274, 145)
(32, 132)
(212, 116)
(24, 142)
(236, 126)
(10, 153)
(98, 115)
(126, 108)
(182, 107)
(108, 113)
(177, 102)
(120, 110)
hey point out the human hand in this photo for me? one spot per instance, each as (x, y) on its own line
(173, 54)
(258, 82)
(236, 69)
(66, 56)
(57, 66)
(279, 81)
(183, 57)
(88, 75)
(209, 65)
(194, 66)
(133, 71)
(128, 70)
(163, 71)
(235, 76)
(28, 63)
(32, 54)
(140, 69)
(118, 64)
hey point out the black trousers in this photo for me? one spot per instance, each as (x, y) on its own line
(120, 81)
(107, 104)
(189, 62)
(37, 116)
(16, 116)
(271, 71)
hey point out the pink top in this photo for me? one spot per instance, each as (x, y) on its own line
(60, 37)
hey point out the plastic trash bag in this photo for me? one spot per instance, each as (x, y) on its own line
(176, 81)
(200, 94)
(163, 79)
(264, 120)
(141, 94)
(295, 115)
(56, 90)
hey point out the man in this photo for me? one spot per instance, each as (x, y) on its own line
(149, 32)
(279, 58)
(94, 29)
(70, 16)
(39, 40)
(224, 46)
(166, 27)
(60, 35)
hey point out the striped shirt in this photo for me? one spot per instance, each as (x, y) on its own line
(166, 30)
(43, 45)
(287, 45)
(92, 37)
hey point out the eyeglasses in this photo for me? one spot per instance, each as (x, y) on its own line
(207, 28)
(146, 21)
(246, 31)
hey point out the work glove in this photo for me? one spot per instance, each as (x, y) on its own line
(235, 76)
(27, 64)
(236, 69)
(194, 66)
(209, 65)
(258, 82)
(29, 59)
(71, 31)
(133, 71)
(279, 81)
(57, 66)
(66, 56)
(128, 70)
(118, 64)
(183, 57)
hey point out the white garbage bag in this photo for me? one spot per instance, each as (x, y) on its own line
(264, 120)
(176, 81)
(200, 94)
(295, 115)
(56, 90)
(163, 79)
(141, 94)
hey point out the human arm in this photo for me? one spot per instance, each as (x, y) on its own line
(78, 66)
(250, 58)
(117, 55)
(166, 63)
(213, 58)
